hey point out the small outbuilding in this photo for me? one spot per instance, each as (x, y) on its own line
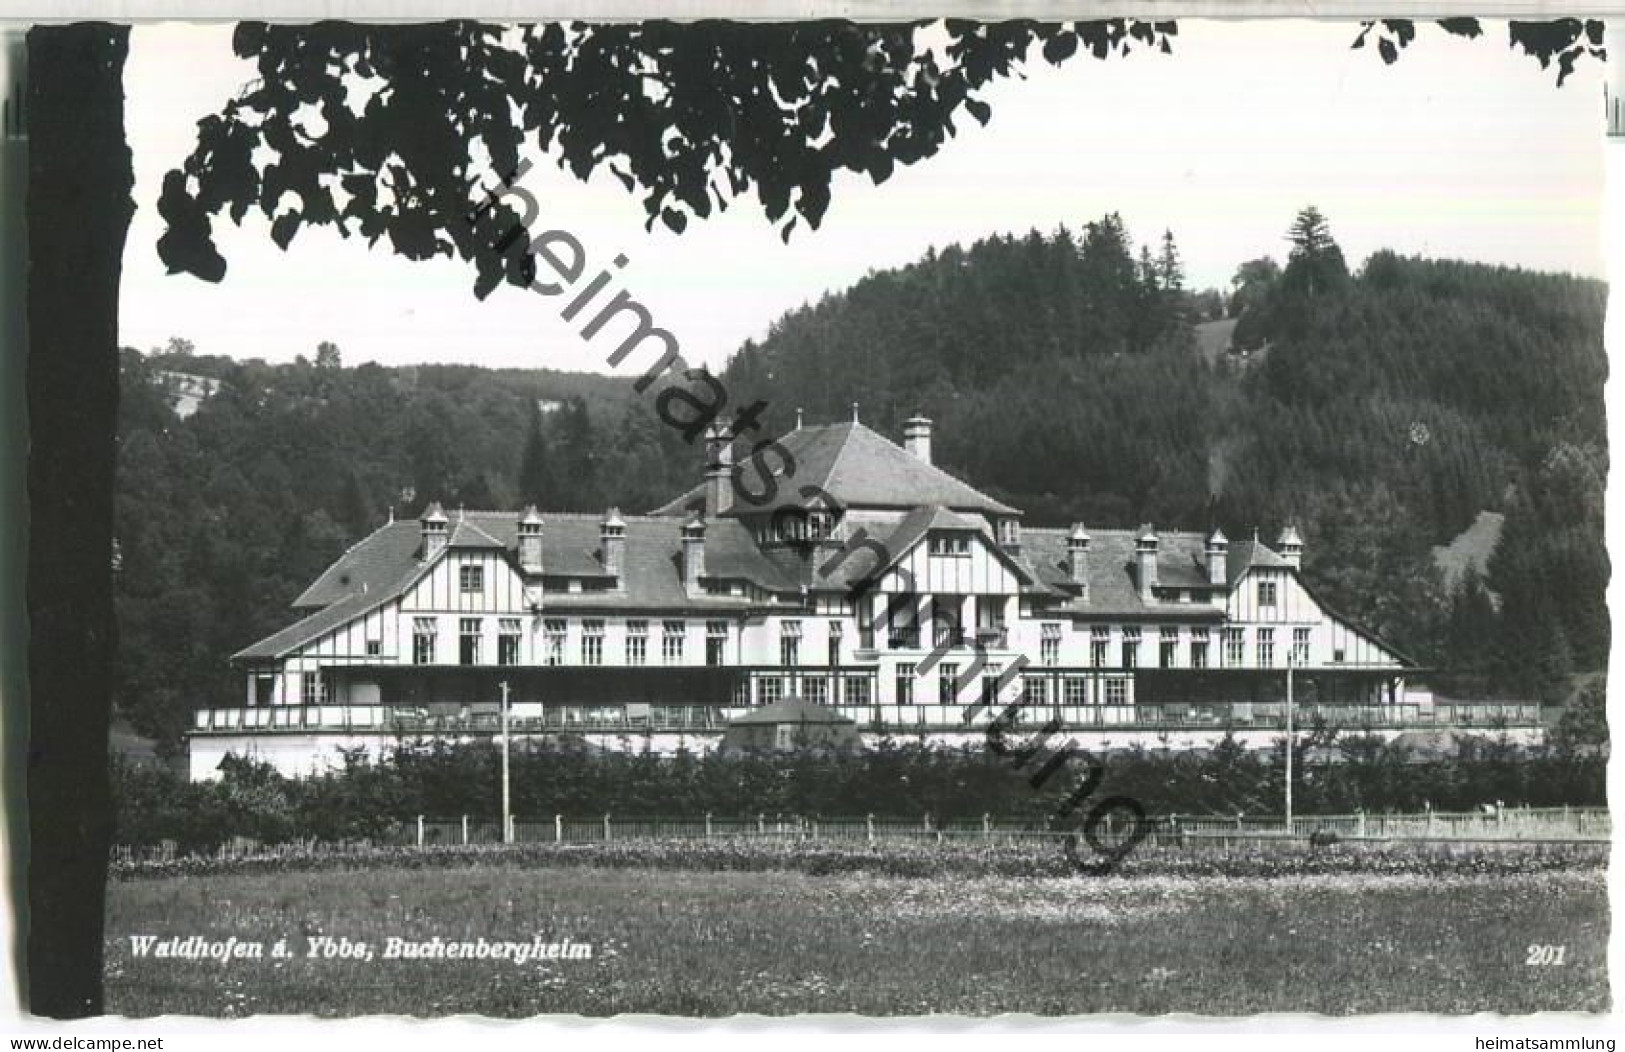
(792, 724)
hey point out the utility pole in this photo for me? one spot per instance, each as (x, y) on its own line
(507, 814)
(1289, 743)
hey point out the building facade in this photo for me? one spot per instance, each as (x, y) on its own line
(852, 572)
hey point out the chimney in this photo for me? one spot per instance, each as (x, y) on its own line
(917, 437)
(435, 530)
(1218, 557)
(718, 472)
(1290, 546)
(1077, 560)
(612, 534)
(694, 554)
(1145, 558)
(530, 540)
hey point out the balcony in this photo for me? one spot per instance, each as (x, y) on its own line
(949, 638)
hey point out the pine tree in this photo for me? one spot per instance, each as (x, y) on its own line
(536, 483)
(1315, 265)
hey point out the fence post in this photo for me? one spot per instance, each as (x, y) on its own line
(869, 826)
(761, 824)
(987, 826)
(420, 830)
(927, 821)
(814, 827)
(1359, 823)
(558, 829)
(509, 838)
(708, 825)
(606, 827)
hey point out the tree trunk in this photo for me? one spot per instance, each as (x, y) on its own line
(79, 208)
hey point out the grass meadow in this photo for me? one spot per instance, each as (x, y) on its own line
(713, 943)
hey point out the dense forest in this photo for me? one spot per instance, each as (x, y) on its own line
(1378, 409)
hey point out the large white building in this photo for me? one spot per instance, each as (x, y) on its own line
(854, 573)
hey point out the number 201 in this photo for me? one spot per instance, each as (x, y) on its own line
(1542, 955)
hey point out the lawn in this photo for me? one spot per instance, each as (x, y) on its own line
(687, 942)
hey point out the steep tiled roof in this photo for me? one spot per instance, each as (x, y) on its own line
(312, 627)
(467, 534)
(1113, 578)
(858, 468)
(375, 563)
(387, 562)
(1244, 555)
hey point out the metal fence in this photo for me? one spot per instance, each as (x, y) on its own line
(1495, 825)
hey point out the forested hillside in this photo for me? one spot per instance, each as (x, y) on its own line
(1383, 410)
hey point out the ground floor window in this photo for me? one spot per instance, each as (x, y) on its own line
(592, 642)
(857, 691)
(990, 686)
(313, 689)
(1117, 692)
(1049, 644)
(948, 685)
(1076, 690)
(637, 642)
(816, 690)
(905, 685)
(509, 632)
(1100, 637)
(423, 636)
(469, 631)
(716, 643)
(671, 642)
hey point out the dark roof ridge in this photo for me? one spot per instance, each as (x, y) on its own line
(550, 516)
(1109, 531)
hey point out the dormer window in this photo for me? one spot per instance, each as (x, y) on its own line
(798, 526)
(1010, 533)
(950, 544)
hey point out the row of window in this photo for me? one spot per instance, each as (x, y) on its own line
(510, 631)
(848, 690)
(1234, 641)
(858, 690)
(1035, 690)
(471, 632)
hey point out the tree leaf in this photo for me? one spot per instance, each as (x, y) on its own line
(283, 228)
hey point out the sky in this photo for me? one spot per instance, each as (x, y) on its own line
(1463, 149)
